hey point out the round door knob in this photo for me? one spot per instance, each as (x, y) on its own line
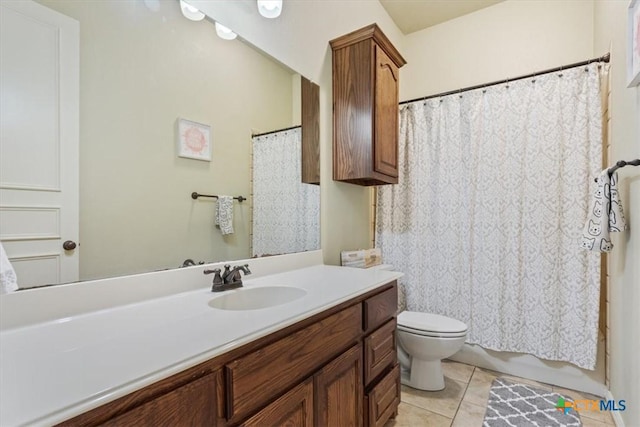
(69, 245)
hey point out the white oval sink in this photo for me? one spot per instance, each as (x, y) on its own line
(257, 298)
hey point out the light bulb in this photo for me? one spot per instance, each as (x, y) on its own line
(191, 12)
(270, 8)
(224, 32)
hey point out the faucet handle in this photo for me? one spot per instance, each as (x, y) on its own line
(217, 280)
(247, 271)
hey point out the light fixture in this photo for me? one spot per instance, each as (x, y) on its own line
(225, 33)
(270, 8)
(191, 12)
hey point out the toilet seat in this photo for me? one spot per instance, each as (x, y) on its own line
(431, 325)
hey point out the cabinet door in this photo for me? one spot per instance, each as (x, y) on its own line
(381, 403)
(293, 409)
(193, 404)
(385, 155)
(339, 391)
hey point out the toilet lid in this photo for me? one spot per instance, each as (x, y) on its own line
(429, 322)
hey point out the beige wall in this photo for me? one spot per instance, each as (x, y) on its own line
(141, 70)
(624, 266)
(508, 39)
(300, 38)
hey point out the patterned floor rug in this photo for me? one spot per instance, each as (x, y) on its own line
(520, 405)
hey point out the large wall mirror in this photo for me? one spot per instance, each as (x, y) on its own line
(143, 67)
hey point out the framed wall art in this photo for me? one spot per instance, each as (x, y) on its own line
(194, 140)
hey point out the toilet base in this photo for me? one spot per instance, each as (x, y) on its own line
(424, 375)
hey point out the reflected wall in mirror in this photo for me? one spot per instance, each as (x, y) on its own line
(142, 67)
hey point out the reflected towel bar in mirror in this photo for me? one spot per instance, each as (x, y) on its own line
(195, 196)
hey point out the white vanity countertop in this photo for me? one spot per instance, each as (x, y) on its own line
(55, 370)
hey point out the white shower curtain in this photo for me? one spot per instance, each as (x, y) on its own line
(286, 212)
(487, 217)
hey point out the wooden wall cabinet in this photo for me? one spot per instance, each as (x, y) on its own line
(365, 107)
(337, 368)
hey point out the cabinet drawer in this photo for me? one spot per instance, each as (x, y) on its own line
(379, 351)
(255, 379)
(192, 404)
(380, 308)
(383, 400)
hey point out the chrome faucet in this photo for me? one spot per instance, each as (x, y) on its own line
(233, 275)
(189, 262)
(230, 279)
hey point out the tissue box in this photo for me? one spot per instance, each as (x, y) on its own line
(363, 258)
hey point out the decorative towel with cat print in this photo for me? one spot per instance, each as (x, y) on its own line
(224, 214)
(605, 215)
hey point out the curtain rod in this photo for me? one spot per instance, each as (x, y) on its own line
(274, 131)
(603, 58)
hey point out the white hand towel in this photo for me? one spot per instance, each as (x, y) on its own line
(224, 214)
(605, 216)
(8, 279)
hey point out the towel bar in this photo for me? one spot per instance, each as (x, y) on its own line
(622, 163)
(195, 196)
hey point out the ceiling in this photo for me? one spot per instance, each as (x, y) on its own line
(415, 15)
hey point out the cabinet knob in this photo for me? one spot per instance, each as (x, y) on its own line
(69, 245)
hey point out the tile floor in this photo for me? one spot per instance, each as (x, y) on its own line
(463, 401)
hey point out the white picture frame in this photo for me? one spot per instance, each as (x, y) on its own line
(194, 140)
(633, 42)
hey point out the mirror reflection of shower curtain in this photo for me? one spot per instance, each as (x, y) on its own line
(286, 212)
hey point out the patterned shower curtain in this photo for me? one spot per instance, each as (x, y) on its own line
(487, 217)
(286, 212)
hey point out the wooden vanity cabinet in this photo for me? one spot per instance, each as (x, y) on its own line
(336, 368)
(365, 107)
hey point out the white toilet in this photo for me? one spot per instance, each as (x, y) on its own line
(425, 339)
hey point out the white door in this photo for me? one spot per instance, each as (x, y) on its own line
(39, 125)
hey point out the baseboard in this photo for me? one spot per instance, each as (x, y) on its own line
(559, 374)
(617, 416)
